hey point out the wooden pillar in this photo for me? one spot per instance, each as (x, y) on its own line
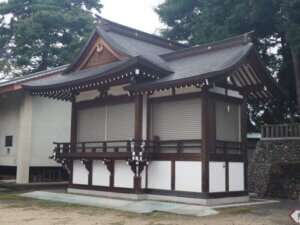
(208, 135)
(138, 117)
(73, 120)
(138, 135)
(244, 139)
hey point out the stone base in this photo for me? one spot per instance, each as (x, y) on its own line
(197, 201)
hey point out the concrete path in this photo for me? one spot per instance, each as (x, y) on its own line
(124, 205)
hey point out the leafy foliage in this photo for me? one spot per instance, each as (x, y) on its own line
(38, 34)
(277, 36)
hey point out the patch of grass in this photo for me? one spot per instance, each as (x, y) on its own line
(14, 199)
(118, 223)
(239, 211)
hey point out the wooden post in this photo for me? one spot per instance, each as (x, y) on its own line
(73, 120)
(208, 135)
(138, 135)
(244, 139)
(138, 117)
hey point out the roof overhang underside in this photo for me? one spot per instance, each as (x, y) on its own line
(64, 86)
(248, 76)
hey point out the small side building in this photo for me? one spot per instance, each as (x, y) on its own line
(28, 126)
(155, 119)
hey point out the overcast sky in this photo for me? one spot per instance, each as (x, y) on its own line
(138, 14)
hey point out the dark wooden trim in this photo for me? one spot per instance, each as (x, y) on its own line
(102, 188)
(138, 126)
(90, 181)
(176, 97)
(227, 175)
(177, 157)
(149, 116)
(146, 181)
(73, 137)
(244, 139)
(226, 98)
(110, 100)
(206, 137)
(97, 155)
(223, 157)
(173, 175)
(199, 195)
(137, 183)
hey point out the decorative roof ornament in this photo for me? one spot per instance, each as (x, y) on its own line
(100, 48)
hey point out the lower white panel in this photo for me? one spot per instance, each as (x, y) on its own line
(236, 176)
(159, 175)
(123, 175)
(101, 174)
(143, 175)
(188, 176)
(217, 177)
(80, 174)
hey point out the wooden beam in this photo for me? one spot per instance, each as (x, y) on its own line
(208, 135)
(138, 116)
(244, 139)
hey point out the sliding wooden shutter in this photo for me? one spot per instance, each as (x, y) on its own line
(227, 121)
(173, 120)
(91, 124)
(120, 121)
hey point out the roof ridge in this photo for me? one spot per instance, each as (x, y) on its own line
(212, 46)
(138, 34)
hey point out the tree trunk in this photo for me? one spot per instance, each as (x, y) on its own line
(296, 65)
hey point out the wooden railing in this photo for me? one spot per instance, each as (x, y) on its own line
(122, 148)
(127, 146)
(228, 147)
(177, 146)
(282, 131)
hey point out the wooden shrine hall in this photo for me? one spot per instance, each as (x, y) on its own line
(156, 119)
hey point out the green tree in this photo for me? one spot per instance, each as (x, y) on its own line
(40, 34)
(277, 36)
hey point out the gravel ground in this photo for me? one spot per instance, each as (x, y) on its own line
(15, 210)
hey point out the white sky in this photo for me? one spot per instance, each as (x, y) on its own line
(138, 14)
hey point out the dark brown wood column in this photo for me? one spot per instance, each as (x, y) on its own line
(138, 135)
(73, 120)
(208, 135)
(138, 117)
(244, 139)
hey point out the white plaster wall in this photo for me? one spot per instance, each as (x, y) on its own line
(159, 175)
(123, 175)
(101, 174)
(80, 174)
(51, 121)
(187, 90)
(87, 95)
(218, 90)
(143, 175)
(217, 177)
(9, 125)
(188, 176)
(118, 90)
(236, 176)
(161, 94)
(234, 94)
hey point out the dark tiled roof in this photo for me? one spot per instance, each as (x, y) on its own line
(175, 62)
(205, 64)
(90, 74)
(33, 76)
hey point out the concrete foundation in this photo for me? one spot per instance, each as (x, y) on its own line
(197, 201)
